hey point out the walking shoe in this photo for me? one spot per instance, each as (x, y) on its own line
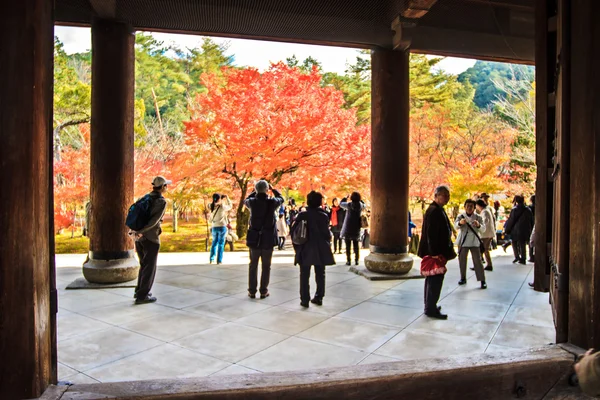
(505, 246)
(472, 268)
(483, 285)
(264, 295)
(211, 261)
(530, 284)
(462, 282)
(437, 315)
(523, 262)
(304, 304)
(147, 299)
(347, 262)
(135, 295)
(516, 260)
(489, 268)
(356, 262)
(251, 295)
(317, 301)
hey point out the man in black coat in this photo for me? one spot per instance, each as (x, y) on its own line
(436, 241)
(316, 251)
(519, 226)
(262, 235)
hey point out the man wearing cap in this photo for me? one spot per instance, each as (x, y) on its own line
(147, 242)
(262, 235)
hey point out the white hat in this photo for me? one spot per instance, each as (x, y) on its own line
(160, 181)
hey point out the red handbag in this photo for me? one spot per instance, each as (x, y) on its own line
(433, 266)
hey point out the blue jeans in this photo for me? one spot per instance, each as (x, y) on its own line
(218, 243)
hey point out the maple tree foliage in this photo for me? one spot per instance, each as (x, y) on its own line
(72, 181)
(277, 124)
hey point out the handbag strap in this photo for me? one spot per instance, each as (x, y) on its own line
(212, 218)
(475, 233)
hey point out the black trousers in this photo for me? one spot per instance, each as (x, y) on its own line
(355, 244)
(147, 252)
(281, 242)
(520, 250)
(337, 242)
(305, 285)
(433, 290)
(255, 255)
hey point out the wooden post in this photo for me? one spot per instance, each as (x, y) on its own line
(112, 159)
(584, 252)
(26, 260)
(390, 108)
(544, 150)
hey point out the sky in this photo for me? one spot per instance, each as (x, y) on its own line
(254, 53)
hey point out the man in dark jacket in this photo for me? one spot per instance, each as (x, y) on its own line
(519, 226)
(262, 235)
(147, 242)
(436, 242)
(316, 251)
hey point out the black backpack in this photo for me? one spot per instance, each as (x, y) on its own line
(139, 213)
(300, 234)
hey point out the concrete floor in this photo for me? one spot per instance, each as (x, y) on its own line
(204, 324)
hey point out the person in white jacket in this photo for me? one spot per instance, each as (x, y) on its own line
(488, 232)
(282, 231)
(469, 226)
(219, 208)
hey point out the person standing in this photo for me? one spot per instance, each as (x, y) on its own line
(147, 242)
(470, 226)
(316, 251)
(531, 245)
(436, 242)
(262, 235)
(488, 232)
(282, 231)
(219, 208)
(336, 225)
(519, 226)
(351, 227)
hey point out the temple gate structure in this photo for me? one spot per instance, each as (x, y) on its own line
(560, 37)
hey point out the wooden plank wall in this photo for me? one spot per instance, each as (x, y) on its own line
(584, 251)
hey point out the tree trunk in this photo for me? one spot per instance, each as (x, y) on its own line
(242, 214)
(175, 216)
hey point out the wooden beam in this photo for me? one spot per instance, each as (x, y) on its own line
(468, 44)
(106, 9)
(529, 373)
(417, 8)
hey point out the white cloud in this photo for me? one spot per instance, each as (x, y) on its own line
(254, 53)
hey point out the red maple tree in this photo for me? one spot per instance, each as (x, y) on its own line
(279, 124)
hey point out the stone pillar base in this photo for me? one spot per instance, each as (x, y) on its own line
(111, 271)
(389, 263)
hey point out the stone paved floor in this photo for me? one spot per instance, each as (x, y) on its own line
(204, 324)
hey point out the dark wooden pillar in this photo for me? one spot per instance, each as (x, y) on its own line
(545, 66)
(584, 252)
(112, 160)
(389, 162)
(26, 40)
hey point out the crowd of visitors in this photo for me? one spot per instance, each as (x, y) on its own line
(319, 230)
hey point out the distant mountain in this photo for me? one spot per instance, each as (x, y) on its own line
(483, 73)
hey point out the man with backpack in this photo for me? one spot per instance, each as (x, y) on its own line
(262, 235)
(150, 211)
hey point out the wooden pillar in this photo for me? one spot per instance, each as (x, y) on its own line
(112, 159)
(584, 252)
(545, 115)
(389, 162)
(26, 40)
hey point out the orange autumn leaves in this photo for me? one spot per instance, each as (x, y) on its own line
(281, 125)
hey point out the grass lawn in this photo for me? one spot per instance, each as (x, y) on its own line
(190, 237)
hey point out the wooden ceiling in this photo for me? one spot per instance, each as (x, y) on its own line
(500, 30)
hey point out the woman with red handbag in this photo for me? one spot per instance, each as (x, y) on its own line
(436, 249)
